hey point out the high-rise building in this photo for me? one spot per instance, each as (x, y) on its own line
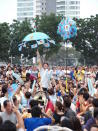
(31, 8)
(25, 9)
(69, 8)
(50, 6)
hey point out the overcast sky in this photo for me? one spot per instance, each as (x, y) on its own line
(8, 9)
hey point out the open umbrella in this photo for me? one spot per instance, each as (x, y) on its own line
(35, 39)
(36, 36)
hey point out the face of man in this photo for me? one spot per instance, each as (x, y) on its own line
(9, 107)
(45, 66)
(81, 100)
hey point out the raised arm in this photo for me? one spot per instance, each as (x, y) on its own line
(20, 123)
(39, 59)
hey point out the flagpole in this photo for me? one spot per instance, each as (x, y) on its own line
(66, 49)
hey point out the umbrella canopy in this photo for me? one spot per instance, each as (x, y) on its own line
(36, 36)
(36, 39)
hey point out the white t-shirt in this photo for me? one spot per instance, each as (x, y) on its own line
(53, 98)
(45, 78)
(2, 99)
(73, 107)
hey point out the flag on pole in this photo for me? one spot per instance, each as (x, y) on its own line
(20, 48)
(41, 42)
(34, 46)
(47, 45)
(52, 41)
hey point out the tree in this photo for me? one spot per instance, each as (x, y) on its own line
(86, 41)
(4, 40)
(48, 25)
(18, 31)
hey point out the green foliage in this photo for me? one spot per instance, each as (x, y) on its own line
(48, 25)
(86, 41)
(4, 40)
(18, 32)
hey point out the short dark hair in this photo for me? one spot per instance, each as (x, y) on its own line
(95, 102)
(14, 99)
(1, 121)
(28, 95)
(96, 113)
(46, 63)
(33, 103)
(8, 126)
(82, 91)
(4, 89)
(5, 103)
(71, 95)
(59, 105)
(27, 76)
(36, 111)
(76, 124)
(66, 122)
(67, 101)
(85, 96)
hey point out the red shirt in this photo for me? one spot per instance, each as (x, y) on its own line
(49, 106)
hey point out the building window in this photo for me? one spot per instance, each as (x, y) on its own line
(61, 8)
(25, 9)
(60, 3)
(24, 4)
(74, 2)
(25, 14)
(74, 7)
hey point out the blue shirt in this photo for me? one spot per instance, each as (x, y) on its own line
(33, 123)
(89, 123)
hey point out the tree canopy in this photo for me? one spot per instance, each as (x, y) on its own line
(86, 41)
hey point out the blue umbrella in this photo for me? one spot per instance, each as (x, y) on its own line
(39, 37)
(36, 36)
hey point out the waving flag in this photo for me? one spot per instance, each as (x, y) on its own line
(18, 78)
(34, 46)
(40, 42)
(90, 87)
(20, 48)
(47, 45)
(52, 41)
(12, 90)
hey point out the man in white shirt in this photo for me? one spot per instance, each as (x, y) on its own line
(45, 77)
(44, 73)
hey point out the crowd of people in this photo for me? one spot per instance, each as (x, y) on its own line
(35, 96)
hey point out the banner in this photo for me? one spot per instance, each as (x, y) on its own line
(12, 90)
(46, 45)
(90, 87)
(20, 48)
(34, 46)
(52, 41)
(18, 78)
(40, 42)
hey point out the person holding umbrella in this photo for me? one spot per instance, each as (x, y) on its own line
(44, 74)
